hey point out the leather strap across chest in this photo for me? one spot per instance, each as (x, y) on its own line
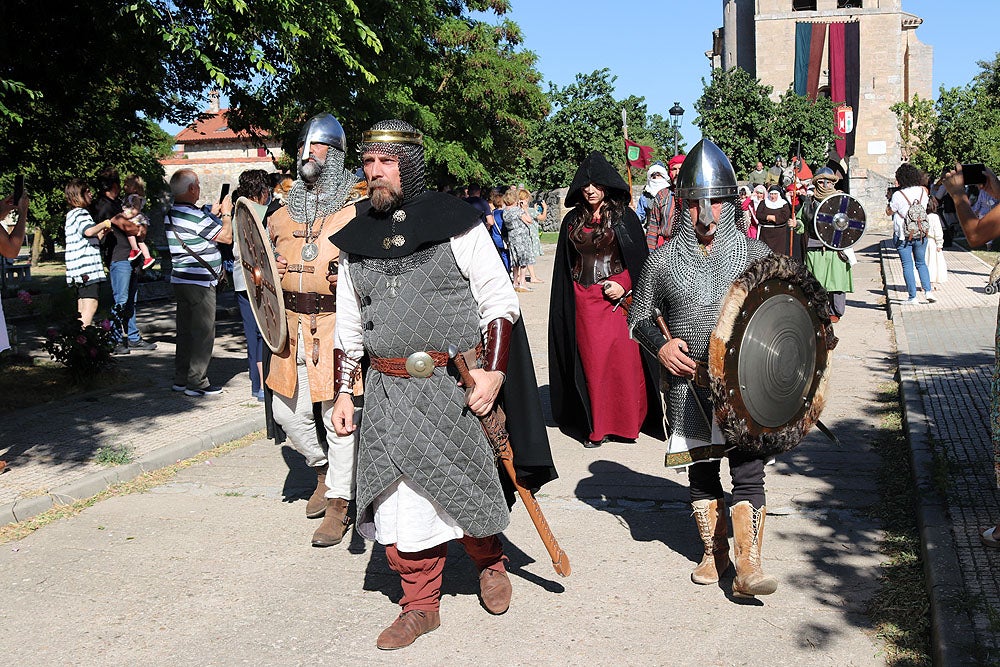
(310, 303)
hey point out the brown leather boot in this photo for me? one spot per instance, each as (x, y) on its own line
(335, 524)
(407, 627)
(495, 590)
(316, 505)
(710, 515)
(748, 539)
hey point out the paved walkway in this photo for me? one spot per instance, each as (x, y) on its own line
(214, 568)
(946, 359)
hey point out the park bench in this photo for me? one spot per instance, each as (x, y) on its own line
(17, 272)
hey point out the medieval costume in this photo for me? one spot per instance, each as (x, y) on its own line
(776, 224)
(300, 377)
(662, 216)
(687, 280)
(831, 268)
(656, 180)
(599, 383)
(418, 274)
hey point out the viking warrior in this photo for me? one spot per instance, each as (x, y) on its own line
(832, 268)
(687, 280)
(301, 375)
(418, 274)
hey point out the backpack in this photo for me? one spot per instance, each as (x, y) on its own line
(915, 219)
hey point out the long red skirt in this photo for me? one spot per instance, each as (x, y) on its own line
(611, 362)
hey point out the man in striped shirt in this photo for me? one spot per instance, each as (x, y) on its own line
(193, 236)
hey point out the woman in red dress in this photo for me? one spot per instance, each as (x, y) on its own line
(600, 384)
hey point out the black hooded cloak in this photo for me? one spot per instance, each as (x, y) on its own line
(567, 382)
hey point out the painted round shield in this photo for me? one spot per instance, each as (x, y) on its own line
(769, 357)
(263, 284)
(840, 221)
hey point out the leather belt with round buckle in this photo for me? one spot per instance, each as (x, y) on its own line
(420, 365)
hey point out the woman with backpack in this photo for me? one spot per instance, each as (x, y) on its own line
(908, 208)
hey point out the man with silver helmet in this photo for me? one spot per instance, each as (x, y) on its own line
(419, 273)
(301, 375)
(687, 280)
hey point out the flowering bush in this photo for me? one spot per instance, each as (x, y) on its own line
(85, 351)
(25, 297)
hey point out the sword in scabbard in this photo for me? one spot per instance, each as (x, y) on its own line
(499, 439)
(662, 324)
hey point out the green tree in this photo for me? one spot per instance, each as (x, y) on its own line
(802, 126)
(586, 118)
(916, 121)
(736, 112)
(464, 81)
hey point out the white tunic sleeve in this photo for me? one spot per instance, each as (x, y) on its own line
(348, 334)
(479, 262)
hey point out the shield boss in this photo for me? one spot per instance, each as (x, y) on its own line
(840, 221)
(777, 360)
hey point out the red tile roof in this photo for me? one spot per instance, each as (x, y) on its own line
(212, 128)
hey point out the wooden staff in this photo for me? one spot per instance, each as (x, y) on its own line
(496, 433)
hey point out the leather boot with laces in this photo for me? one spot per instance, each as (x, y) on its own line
(335, 524)
(316, 505)
(748, 539)
(407, 627)
(710, 515)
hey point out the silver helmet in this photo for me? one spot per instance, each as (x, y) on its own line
(706, 174)
(320, 129)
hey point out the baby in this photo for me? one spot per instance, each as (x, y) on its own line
(134, 198)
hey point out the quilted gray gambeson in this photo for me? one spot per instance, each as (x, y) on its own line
(420, 428)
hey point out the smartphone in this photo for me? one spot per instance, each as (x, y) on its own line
(974, 173)
(18, 188)
(225, 191)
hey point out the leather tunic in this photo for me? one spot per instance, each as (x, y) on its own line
(596, 260)
(303, 276)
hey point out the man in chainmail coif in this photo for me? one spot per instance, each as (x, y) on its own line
(418, 273)
(301, 375)
(687, 280)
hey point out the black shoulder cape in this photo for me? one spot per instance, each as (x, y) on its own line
(431, 217)
(567, 382)
(435, 217)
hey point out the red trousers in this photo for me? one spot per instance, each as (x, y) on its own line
(421, 571)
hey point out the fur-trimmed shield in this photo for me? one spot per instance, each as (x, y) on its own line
(769, 357)
(263, 284)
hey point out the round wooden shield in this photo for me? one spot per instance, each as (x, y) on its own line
(263, 282)
(769, 357)
(840, 221)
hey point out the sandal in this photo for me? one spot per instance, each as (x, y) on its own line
(989, 538)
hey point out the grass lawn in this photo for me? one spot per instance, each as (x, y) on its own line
(550, 237)
(988, 256)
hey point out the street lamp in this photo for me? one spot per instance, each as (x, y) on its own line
(676, 113)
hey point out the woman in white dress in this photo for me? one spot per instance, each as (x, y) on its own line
(936, 264)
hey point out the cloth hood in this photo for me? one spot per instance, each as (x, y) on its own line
(595, 169)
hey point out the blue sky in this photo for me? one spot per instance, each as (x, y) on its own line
(657, 48)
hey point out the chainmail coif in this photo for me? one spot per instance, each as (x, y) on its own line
(324, 197)
(411, 157)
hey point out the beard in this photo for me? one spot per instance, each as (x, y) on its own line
(384, 195)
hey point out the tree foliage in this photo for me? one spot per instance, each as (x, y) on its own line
(962, 124)
(462, 81)
(586, 117)
(737, 113)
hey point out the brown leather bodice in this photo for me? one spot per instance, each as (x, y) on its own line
(596, 260)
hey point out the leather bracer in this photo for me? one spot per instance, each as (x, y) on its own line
(497, 348)
(346, 372)
(648, 335)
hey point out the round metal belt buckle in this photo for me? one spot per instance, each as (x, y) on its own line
(420, 365)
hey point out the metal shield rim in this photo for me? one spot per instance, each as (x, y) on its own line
(740, 430)
(278, 344)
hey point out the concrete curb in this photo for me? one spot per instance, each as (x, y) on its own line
(951, 628)
(96, 482)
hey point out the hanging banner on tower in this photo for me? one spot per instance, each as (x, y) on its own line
(844, 116)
